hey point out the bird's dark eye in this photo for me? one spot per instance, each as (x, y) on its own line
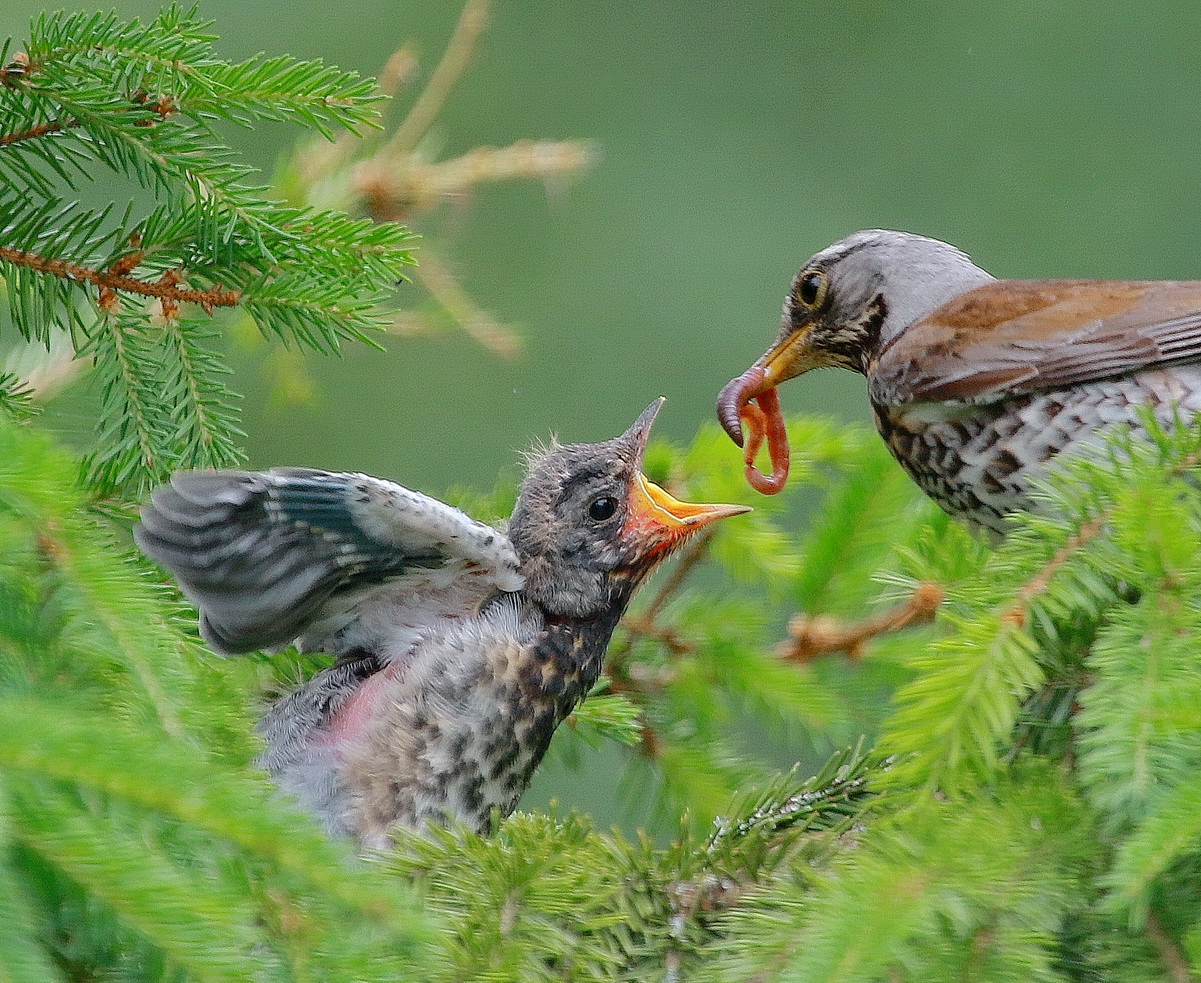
(811, 288)
(602, 508)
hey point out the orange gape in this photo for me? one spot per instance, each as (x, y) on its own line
(762, 421)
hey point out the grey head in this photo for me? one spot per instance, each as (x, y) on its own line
(858, 294)
(588, 526)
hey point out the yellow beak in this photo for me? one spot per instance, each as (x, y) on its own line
(661, 521)
(785, 360)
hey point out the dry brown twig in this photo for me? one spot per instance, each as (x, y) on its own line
(397, 182)
(429, 104)
(450, 295)
(811, 637)
(1174, 960)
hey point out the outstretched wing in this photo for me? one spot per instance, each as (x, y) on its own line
(1019, 336)
(266, 556)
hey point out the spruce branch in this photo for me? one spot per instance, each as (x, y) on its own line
(811, 637)
(25, 957)
(16, 397)
(40, 130)
(826, 801)
(206, 930)
(92, 95)
(975, 679)
(126, 802)
(548, 895)
(1017, 613)
(135, 439)
(395, 180)
(166, 288)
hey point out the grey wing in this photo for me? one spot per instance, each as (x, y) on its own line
(265, 555)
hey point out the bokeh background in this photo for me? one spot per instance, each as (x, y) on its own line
(1057, 139)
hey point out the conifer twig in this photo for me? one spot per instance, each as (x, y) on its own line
(458, 52)
(1036, 585)
(41, 130)
(166, 288)
(1016, 612)
(811, 637)
(1173, 959)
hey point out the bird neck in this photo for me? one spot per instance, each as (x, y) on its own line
(939, 286)
(554, 674)
(568, 655)
(856, 342)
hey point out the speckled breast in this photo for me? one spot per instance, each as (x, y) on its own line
(977, 462)
(459, 733)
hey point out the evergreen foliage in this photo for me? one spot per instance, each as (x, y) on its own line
(1029, 810)
(90, 97)
(136, 843)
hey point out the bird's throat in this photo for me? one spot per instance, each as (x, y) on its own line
(566, 660)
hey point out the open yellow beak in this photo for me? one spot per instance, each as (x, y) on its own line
(661, 521)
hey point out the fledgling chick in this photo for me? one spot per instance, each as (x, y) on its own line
(458, 649)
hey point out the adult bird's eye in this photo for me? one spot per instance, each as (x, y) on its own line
(602, 508)
(811, 288)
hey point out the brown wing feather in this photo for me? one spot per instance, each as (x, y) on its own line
(1018, 336)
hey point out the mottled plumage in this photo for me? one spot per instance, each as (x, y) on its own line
(458, 649)
(977, 384)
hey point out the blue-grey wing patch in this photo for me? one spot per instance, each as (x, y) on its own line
(264, 555)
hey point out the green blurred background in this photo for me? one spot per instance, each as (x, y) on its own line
(1045, 138)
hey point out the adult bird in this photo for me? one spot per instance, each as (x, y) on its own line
(458, 648)
(976, 384)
